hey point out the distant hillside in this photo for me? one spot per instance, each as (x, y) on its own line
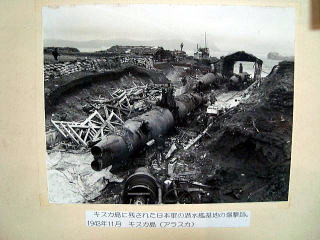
(277, 56)
(104, 44)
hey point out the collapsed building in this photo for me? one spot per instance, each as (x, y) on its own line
(225, 67)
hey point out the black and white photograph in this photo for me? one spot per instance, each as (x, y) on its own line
(168, 104)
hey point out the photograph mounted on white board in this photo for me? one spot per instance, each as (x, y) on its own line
(168, 104)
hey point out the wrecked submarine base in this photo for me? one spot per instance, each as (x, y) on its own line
(73, 171)
(253, 167)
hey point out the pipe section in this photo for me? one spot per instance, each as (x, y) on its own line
(142, 188)
(134, 134)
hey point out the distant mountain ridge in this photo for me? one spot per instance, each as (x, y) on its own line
(104, 44)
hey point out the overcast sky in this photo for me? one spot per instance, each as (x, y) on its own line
(254, 29)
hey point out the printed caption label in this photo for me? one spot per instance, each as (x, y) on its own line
(167, 219)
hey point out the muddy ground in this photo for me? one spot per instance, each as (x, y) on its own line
(244, 157)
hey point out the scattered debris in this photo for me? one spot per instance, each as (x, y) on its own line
(150, 143)
(71, 180)
(171, 167)
(193, 141)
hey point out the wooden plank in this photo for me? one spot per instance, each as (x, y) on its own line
(106, 112)
(90, 117)
(96, 122)
(117, 117)
(69, 134)
(87, 134)
(100, 117)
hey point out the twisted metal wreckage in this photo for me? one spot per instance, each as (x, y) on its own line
(101, 123)
(115, 149)
(142, 187)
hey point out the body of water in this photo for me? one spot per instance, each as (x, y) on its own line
(248, 67)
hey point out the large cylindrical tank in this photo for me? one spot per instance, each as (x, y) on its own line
(187, 103)
(136, 132)
(206, 81)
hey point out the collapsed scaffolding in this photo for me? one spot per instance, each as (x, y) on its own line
(108, 114)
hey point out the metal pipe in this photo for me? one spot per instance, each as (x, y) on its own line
(187, 103)
(136, 132)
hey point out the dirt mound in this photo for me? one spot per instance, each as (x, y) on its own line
(256, 135)
(165, 67)
(276, 90)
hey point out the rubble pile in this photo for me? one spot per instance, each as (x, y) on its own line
(56, 70)
(145, 62)
(71, 180)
